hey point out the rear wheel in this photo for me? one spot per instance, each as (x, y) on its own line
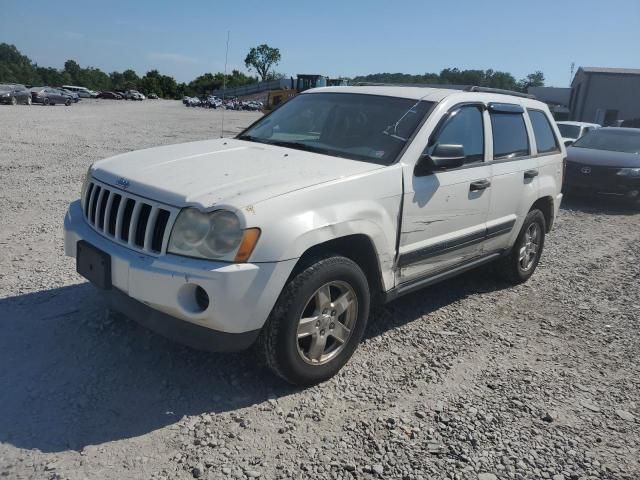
(67, 102)
(14, 101)
(28, 102)
(521, 262)
(318, 321)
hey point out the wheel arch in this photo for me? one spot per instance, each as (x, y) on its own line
(358, 247)
(546, 206)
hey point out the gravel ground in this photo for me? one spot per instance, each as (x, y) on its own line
(470, 379)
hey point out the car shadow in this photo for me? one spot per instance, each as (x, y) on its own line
(598, 204)
(74, 375)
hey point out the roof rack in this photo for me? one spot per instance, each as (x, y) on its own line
(464, 88)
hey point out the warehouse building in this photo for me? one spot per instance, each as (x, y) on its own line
(605, 95)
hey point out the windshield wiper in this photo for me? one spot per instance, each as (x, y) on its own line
(299, 146)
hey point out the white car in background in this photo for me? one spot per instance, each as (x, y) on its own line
(571, 131)
(341, 197)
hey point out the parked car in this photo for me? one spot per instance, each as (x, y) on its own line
(193, 102)
(110, 95)
(133, 95)
(84, 94)
(75, 98)
(185, 99)
(49, 96)
(152, 96)
(340, 197)
(14, 94)
(606, 161)
(571, 131)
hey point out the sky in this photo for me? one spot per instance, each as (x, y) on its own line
(334, 38)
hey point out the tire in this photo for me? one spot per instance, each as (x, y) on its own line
(67, 103)
(518, 266)
(318, 354)
(13, 101)
(28, 102)
(45, 101)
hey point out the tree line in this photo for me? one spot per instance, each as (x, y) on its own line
(18, 68)
(454, 76)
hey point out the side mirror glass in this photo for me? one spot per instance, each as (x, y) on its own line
(442, 157)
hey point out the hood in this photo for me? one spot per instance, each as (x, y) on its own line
(222, 171)
(603, 158)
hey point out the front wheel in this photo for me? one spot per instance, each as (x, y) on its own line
(45, 102)
(67, 102)
(522, 260)
(317, 322)
(28, 102)
(14, 101)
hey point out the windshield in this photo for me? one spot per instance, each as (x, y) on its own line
(5, 87)
(611, 140)
(371, 128)
(569, 131)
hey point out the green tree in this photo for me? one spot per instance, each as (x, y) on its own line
(535, 79)
(261, 59)
(15, 67)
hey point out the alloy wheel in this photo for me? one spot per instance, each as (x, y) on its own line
(326, 322)
(530, 246)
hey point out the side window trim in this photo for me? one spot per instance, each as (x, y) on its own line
(445, 119)
(516, 110)
(556, 150)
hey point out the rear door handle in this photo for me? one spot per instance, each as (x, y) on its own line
(529, 174)
(479, 185)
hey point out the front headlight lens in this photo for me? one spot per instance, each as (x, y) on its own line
(629, 172)
(205, 235)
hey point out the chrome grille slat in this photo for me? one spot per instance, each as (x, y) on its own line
(107, 213)
(133, 225)
(153, 216)
(149, 223)
(96, 210)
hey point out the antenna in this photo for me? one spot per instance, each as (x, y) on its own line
(224, 84)
(573, 66)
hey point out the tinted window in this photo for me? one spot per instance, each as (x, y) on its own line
(545, 138)
(612, 140)
(569, 131)
(510, 138)
(463, 127)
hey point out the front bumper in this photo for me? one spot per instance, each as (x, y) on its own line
(603, 180)
(157, 291)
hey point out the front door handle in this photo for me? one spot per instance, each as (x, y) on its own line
(479, 185)
(529, 174)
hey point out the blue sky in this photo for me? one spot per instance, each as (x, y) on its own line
(336, 38)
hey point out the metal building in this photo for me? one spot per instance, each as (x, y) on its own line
(605, 95)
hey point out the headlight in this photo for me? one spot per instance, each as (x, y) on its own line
(205, 235)
(629, 172)
(6, 94)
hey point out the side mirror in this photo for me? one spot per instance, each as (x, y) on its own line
(568, 143)
(443, 157)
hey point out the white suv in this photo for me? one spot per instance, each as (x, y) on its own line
(343, 196)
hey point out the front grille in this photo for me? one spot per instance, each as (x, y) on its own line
(129, 220)
(596, 170)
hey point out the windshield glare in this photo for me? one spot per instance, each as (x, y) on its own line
(611, 140)
(371, 128)
(569, 131)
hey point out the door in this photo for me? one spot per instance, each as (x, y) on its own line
(444, 213)
(515, 175)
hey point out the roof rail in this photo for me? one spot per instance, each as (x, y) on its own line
(464, 88)
(500, 91)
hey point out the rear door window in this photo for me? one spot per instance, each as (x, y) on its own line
(510, 139)
(545, 138)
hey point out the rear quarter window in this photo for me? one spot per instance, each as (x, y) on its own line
(545, 138)
(510, 139)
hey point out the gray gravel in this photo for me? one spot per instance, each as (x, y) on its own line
(470, 379)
